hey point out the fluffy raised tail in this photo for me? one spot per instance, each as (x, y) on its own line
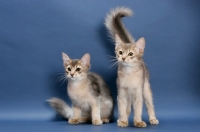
(115, 26)
(61, 107)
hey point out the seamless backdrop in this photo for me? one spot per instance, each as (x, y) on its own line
(34, 33)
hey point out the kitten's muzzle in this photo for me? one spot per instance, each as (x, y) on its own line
(72, 75)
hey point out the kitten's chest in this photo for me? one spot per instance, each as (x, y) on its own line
(80, 95)
(130, 79)
(78, 91)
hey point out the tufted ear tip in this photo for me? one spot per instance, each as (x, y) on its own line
(87, 54)
(142, 39)
(118, 40)
(66, 59)
(64, 55)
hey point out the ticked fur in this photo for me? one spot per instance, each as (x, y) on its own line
(133, 77)
(91, 97)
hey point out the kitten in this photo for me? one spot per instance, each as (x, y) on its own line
(133, 77)
(91, 97)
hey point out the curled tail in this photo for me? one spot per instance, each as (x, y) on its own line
(115, 26)
(61, 107)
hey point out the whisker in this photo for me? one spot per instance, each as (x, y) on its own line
(63, 80)
(114, 64)
(112, 60)
(60, 79)
(111, 56)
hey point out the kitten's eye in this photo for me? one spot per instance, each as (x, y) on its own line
(120, 52)
(78, 69)
(69, 69)
(130, 54)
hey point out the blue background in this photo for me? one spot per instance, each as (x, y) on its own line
(34, 33)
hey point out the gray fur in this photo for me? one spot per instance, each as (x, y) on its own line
(99, 87)
(115, 26)
(95, 85)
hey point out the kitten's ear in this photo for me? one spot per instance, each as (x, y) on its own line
(66, 59)
(85, 60)
(140, 45)
(118, 41)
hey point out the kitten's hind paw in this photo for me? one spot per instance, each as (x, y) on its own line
(105, 120)
(96, 122)
(74, 121)
(154, 122)
(122, 123)
(140, 124)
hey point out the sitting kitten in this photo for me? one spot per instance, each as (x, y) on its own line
(91, 97)
(133, 77)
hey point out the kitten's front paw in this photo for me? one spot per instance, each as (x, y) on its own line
(105, 120)
(96, 122)
(74, 121)
(154, 122)
(139, 124)
(122, 123)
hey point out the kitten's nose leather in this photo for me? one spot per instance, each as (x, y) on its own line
(123, 59)
(72, 75)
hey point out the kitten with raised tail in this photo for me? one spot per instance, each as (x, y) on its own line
(133, 77)
(91, 98)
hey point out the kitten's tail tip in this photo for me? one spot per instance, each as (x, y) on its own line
(119, 11)
(61, 107)
(126, 10)
(51, 99)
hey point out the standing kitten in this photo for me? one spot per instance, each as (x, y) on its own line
(133, 77)
(91, 97)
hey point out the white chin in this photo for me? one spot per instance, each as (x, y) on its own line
(72, 78)
(123, 62)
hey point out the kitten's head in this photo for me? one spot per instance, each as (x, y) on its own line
(76, 69)
(127, 52)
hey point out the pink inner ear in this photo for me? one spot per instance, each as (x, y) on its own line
(140, 45)
(66, 59)
(86, 60)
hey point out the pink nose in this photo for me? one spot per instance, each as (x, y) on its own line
(72, 75)
(123, 59)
